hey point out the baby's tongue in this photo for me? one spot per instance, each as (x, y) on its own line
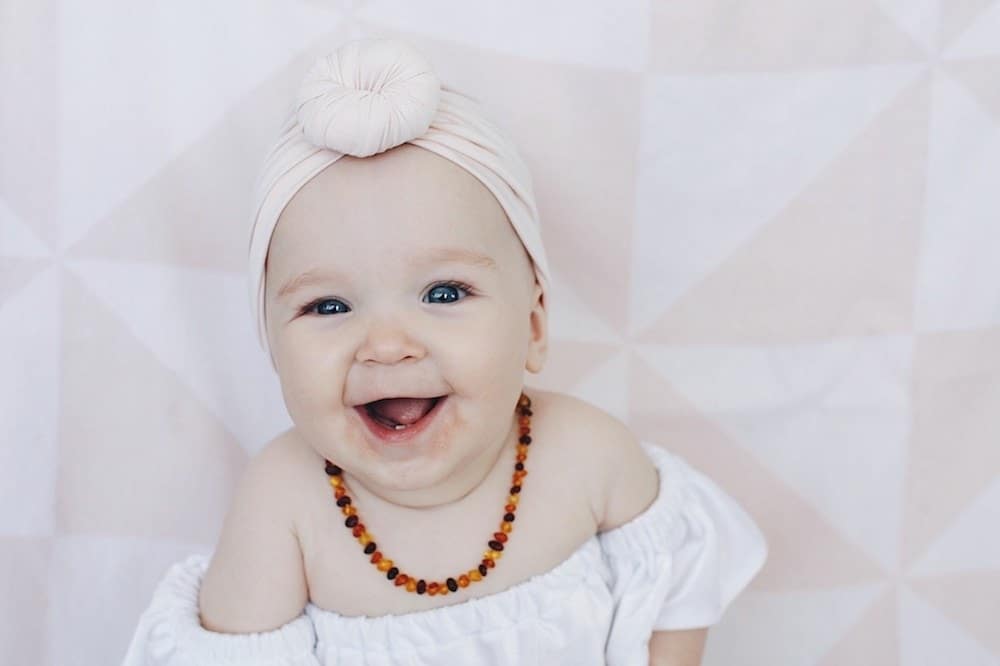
(402, 410)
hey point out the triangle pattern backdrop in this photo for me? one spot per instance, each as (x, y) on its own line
(772, 228)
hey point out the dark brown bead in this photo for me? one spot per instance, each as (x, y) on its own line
(507, 517)
(332, 469)
(452, 584)
(496, 545)
(351, 521)
(421, 586)
(344, 501)
(483, 569)
(392, 573)
(370, 548)
(528, 412)
(515, 489)
(519, 466)
(525, 439)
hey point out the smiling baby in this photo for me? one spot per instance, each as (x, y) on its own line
(427, 506)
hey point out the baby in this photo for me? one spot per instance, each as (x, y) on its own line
(427, 506)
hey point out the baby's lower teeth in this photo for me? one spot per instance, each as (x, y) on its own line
(389, 424)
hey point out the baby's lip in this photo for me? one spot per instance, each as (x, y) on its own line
(373, 397)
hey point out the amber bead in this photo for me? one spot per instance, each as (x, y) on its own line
(519, 466)
(432, 589)
(452, 584)
(500, 536)
(365, 539)
(401, 579)
(515, 489)
(521, 458)
(370, 548)
(463, 581)
(358, 529)
(495, 545)
(351, 521)
(489, 563)
(384, 565)
(510, 508)
(522, 448)
(349, 511)
(513, 499)
(482, 569)
(339, 492)
(344, 501)
(377, 557)
(411, 585)
(332, 469)
(524, 439)
(443, 590)
(421, 586)
(474, 576)
(506, 527)
(392, 573)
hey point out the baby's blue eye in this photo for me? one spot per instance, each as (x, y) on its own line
(447, 291)
(328, 306)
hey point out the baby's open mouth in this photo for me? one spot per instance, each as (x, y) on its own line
(400, 413)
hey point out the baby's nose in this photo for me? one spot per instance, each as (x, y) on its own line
(388, 341)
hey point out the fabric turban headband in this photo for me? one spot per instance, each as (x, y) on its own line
(369, 96)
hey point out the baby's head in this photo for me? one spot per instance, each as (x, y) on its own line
(399, 274)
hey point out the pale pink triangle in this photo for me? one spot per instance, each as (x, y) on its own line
(139, 454)
(953, 450)
(873, 639)
(971, 599)
(981, 76)
(24, 604)
(710, 36)
(805, 550)
(840, 259)
(569, 362)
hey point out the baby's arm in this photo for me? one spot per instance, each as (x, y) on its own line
(256, 580)
(631, 486)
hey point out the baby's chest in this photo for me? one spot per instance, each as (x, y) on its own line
(551, 524)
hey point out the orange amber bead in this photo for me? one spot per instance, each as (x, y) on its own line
(522, 448)
(365, 539)
(513, 499)
(463, 581)
(500, 536)
(510, 508)
(411, 585)
(335, 481)
(339, 492)
(400, 579)
(506, 527)
(384, 564)
(488, 561)
(376, 557)
(474, 575)
(358, 530)
(349, 510)
(432, 589)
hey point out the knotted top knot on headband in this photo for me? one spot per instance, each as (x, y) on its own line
(364, 98)
(368, 96)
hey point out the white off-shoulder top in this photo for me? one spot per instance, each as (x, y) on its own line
(677, 565)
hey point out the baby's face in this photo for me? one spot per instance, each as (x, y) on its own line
(388, 244)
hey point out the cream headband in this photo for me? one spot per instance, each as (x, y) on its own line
(369, 96)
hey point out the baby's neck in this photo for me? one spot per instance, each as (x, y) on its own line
(460, 485)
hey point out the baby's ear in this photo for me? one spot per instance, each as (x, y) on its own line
(539, 340)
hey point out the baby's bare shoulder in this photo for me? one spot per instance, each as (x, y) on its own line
(256, 581)
(605, 452)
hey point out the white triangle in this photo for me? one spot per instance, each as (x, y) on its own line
(16, 239)
(607, 386)
(596, 34)
(920, 19)
(30, 323)
(197, 322)
(831, 420)
(125, 117)
(812, 623)
(710, 177)
(958, 279)
(982, 38)
(971, 542)
(570, 318)
(928, 636)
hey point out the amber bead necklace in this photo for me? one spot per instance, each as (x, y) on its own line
(496, 544)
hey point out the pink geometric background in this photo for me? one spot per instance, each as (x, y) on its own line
(774, 229)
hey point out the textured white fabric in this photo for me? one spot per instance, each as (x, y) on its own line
(677, 565)
(364, 98)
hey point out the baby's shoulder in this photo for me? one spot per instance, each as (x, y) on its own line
(600, 450)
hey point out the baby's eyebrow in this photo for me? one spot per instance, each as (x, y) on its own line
(434, 256)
